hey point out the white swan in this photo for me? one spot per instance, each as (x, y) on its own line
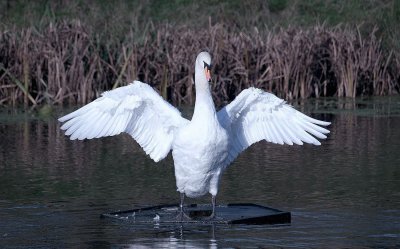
(203, 147)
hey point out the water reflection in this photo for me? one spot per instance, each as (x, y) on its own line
(175, 237)
(345, 193)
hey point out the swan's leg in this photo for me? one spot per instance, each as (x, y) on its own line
(182, 216)
(213, 202)
(213, 216)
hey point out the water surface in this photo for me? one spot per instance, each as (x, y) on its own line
(345, 193)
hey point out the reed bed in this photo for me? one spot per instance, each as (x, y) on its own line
(68, 63)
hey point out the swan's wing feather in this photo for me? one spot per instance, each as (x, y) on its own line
(256, 115)
(135, 109)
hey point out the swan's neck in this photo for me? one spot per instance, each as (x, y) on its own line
(204, 108)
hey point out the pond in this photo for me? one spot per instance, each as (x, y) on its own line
(345, 193)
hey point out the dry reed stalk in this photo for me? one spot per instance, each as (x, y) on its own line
(66, 63)
(18, 84)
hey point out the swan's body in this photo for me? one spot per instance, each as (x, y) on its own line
(203, 147)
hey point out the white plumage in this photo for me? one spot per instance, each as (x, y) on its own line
(135, 109)
(203, 147)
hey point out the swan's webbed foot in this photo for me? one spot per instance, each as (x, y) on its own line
(182, 216)
(213, 217)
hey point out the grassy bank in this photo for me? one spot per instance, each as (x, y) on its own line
(48, 56)
(116, 18)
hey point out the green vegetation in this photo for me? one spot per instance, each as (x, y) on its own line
(115, 18)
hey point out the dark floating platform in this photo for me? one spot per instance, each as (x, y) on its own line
(243, 213)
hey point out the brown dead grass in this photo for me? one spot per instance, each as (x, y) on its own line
(67, 63)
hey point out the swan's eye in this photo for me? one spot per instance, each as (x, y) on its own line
(207, 72)
(206, 66)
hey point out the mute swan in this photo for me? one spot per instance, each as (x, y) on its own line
(203, 147)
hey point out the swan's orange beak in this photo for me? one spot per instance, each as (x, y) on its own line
(208, 74)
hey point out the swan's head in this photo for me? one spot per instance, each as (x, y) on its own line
(203, 65)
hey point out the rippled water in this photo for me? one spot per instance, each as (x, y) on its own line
(345, 193)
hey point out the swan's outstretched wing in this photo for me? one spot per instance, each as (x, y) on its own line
(135, 109)
(255, 115)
